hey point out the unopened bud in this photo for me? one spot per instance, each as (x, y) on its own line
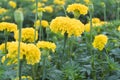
(91, 7)
(40, 14)
(18, 16)
(103, 4)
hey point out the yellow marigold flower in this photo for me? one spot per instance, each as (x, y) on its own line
(119, 28)
(48, 9)
(46, 45)
(27, 34)
(59, 2)
(12, 4)
(40, 4)
(2, 46)
(41, 9)
(25, 78)
(29, 52)
(100, 41)
(10, 27)
(32, 54)
(3, 59)
(3, 10)
(44, 23)
(77, 8)
(87, 27)
(67, 25)
(95, 20)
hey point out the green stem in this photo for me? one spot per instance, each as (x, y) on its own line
(117, 17)
(91, 52)
(35, 21)
(19, 40)
(33, 72)
(44, 68)
(64, 10)
(64, 45)
(40, 28)
(34, 67)
(70, 48)
(6, 39)
(105, 13)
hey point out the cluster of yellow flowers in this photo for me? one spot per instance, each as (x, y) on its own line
(95, 22)
(44, 23)
(3, 10)
(10, 27)
(100, 41)
(67, 25)
(29, 52)
(12, 4)
(77, 9)
(27, 34)
(59, 2)
(25, 78)
(46, 45)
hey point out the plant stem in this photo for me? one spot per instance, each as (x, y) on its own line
(40, 28)
(64, 45)
(64, 10)
(105, 13)
(92, 54)
(35, 21)
(19, 40)
(34, 67)
(6, 39)
(33, 72)
(44, 68)
(118, 11)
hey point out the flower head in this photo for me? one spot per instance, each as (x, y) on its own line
(119, 28)
(59, 2)
(95, 20)
(3, 10)
(12, 4)
(77, 8)
(67, 25)
(27, 34)
(10, 27)
(44, 23)
(100, 41)
(46, 45)
(48, 9)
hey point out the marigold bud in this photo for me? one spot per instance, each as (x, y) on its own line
(18, 16)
